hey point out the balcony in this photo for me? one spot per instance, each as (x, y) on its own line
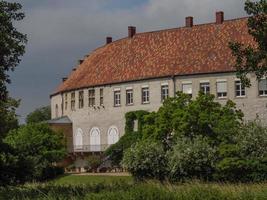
(90, 148)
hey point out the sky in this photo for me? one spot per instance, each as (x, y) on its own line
(60, 32)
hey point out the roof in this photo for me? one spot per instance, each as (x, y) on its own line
(61, 120)
(179, 51)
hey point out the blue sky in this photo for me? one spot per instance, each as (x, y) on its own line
(61, 32)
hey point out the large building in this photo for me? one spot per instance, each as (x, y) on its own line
(138, 72)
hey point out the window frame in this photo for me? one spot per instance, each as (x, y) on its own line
(66, 101)
(164, 89)
(101, 96)
(188, 83)
(91, 97)
(145, 95)
(72, 102)
(241, 88)
(221, 95)
(81, 99)
(264, 91)
(117, 98)
(203, 87)
(131, 102)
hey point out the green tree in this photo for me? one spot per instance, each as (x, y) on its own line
(12, 47)
(181, 116)
(39, 115)
(253, 58)
(40, 146)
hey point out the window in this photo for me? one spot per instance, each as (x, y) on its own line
(221, 89)
(72, 101)
(117, 98)
(56, 111)
(145, 95)
(263, 87)
(81, 99)
(205, 87)
(101, 97)
(91, 97)
(187, 88)
(164, 92)
(239, 89)
(66, 101)
(129, 97)
(113, 135)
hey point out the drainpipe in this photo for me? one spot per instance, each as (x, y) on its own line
(174, 86)
(62, 105)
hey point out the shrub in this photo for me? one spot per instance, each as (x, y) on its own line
(245, 159)
(93, 162)
(39, 146)
(191, 159)
(146, 160)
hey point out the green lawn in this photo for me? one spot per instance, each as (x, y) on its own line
(85, 179)
(78, 187)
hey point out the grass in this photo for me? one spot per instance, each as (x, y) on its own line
(124, 188)
(83, 179)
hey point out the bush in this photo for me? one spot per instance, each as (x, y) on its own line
(146, 160)
(245, 159)
(191, 159)
(93, 162)
(39, 147)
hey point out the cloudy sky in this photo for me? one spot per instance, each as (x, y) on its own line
(60, 32)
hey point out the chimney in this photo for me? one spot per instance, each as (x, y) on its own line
(219, 17)
(131, 31)
(189, 21)
(81, 62)
(108, 40)
(64, 79)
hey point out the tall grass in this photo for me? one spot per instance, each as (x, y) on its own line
(123, 190)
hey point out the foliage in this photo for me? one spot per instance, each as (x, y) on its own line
(12, 46)
(192, 159)
(94, 162)
(115, 152)
(180, 116)
(246, 158)
(145, 160)
(252, 58)
(39, 146)
(125, 190)
(39, 115)
(12, 43)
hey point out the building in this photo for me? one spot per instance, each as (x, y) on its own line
(138, 72)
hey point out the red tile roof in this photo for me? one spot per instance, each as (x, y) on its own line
(179, 51)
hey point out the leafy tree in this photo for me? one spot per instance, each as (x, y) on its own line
(245, 159)
(181, 116)
(12, 47)
(40, 146)
(253, 58)
(146, 160)
(39, 115)
(192, 159)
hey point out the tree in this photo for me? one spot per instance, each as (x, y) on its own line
(253, 59)
(39, 115)
(12, 43)
(40, 146)
(12, 47)
(182, 116)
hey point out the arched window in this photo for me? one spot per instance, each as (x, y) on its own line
(56, 111)
(95, 143)
(78, 139)
(113, 135)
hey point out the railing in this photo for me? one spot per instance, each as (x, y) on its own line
(90, 148)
